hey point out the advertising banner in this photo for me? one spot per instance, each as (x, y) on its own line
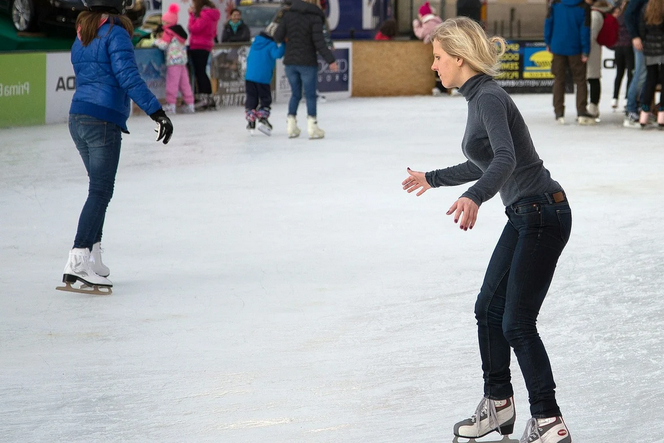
(60, 86)
(526, 68)
(22, 89)
(228, 66)
(331, 85)
(152, 67)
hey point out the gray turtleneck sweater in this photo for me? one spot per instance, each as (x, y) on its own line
(497, 144)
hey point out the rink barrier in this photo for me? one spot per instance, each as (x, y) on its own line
(37, 87)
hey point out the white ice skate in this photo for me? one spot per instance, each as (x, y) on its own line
(95, 259)
(292, 129)
(546, 430)
(505, 439)
(79, 270)
(169, 108)
(490, 416)
(314, 131)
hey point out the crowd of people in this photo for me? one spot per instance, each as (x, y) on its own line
(575, 32)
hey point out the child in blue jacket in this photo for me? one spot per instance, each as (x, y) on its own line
(263, 54)
(106, 78)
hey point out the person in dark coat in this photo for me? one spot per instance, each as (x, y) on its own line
(301, 26)
(236, 31)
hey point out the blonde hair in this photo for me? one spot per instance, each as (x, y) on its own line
(464, 38)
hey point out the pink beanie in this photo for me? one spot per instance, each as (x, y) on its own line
(425, 9)
(170, 17)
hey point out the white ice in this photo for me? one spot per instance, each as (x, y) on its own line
(275, 290)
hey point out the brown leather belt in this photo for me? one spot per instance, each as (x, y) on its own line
(558, 197)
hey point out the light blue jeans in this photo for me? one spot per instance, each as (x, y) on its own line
(98, 142)
(634, 91)
(299, 77)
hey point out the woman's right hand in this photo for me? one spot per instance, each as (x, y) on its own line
(415, 181)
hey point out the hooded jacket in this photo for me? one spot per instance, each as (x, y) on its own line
(260, 61)
(302, 27)
(203, 28)
(567, 27)
(107, 77)
(172, 42)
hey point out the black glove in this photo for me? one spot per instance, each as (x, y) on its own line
(164, 127)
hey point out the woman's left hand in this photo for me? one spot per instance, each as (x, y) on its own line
(465, 210)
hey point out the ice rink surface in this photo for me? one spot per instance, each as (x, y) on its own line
(270, 290)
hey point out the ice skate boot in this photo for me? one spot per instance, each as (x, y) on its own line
(660, 120)
(593, 111)
(644, 119)
(169, 108)
(490, 415)
(263, 124)
(546, 430)
(313, 129)
(586, 120)
(631, 120)
(79, 270)
(250, 115)
(291, 128)
(95, 259)
(614, 104)
(188, 109)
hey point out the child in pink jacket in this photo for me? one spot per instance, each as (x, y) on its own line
(172, 42)
(423, 26)
(203, 18)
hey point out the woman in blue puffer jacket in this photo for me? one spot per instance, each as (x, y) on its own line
(106, 78)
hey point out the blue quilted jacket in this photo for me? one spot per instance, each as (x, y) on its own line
(107, 77)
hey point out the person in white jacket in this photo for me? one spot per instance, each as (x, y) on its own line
(594, 64)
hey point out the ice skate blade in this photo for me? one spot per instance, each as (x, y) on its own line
(264, 129)
(505, 439)
(86, 289)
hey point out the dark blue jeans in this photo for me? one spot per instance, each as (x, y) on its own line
(299, 77)
(98, 142)
(516, 282)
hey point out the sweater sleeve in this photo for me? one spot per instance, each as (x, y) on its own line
(492, 113)
(454, 175)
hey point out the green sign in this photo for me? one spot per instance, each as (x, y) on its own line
(22, 89)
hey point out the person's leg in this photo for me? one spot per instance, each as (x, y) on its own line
(558, 67)
(543, 230)
(185, 85)
(309, 81)
(172, 85)
(620, 59)
(98, 143)
(295, 81)
(638, 80)
(199, 60)
(489, 311)
(579, 76)
(595, 90)
(648, 93)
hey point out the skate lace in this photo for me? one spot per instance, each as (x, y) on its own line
(531, 433)
(488, 407)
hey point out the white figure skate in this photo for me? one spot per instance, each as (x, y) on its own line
(79, 270)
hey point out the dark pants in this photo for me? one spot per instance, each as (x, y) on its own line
(595, 90)
(199, 60)
(654, 75)
(516, 282)
(558, 66)
(257, 93)
(624, 58)
(98, 143)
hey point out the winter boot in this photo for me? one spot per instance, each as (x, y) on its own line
(95, 259)
(546, 430)
(169, 108)
(490, 415)
(314, 130)
(292, 129)
(79, 268)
